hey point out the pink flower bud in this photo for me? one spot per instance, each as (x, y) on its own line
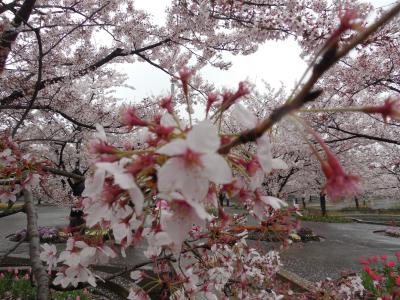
(228, 98)
(184, 76)
(349, 20)
(166, 103)
(390, 110)
(130, 118)
(210, 101)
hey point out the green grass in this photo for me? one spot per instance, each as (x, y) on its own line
(19, 287)
(327, 219)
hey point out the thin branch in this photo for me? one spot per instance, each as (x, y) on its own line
(63, 173)
(119, 52)
(365, 136)
(39, 79)
(11, 250)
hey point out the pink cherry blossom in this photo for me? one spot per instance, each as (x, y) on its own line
(193, 163)
(182, 216)
(264, 149)
(49, 255)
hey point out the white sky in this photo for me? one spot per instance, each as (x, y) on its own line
(275, 62)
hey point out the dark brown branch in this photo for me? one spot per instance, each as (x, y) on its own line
(117, 274)
(366, 136)
(64, 115)
(119, 52)
(9, 36)
(11, 250)
(63, 173)
(36, 92)
(34, 248)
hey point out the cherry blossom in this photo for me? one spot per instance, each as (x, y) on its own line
(49, 255)
(193, 163)
(264, 148)
(178, 221)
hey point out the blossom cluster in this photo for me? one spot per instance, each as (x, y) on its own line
(164, 191)
(17, 170)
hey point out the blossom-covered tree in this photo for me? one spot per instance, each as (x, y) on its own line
(154, 174)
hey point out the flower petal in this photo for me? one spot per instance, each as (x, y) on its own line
(204, 137)
(137, 198)
(170, 176)
(243, 116)
(264, 154)
(195, 185)
(175, 147)
(275, 203)
(94, 185)
(216, 168)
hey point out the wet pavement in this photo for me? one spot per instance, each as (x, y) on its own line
(341, 250)
(344, 244)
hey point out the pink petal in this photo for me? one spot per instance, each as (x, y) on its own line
(204, 138)
(175, 147)
(216, 168)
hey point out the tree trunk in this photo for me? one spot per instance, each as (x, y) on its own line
(303, 200)
(34, 248)
(357, 204)
(322, 200)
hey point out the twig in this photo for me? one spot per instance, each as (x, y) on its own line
(11, 250)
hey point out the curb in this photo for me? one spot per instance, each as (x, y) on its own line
(298, 281)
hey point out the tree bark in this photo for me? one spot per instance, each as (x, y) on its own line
(357, 203)
(322, 200)
(34, 248)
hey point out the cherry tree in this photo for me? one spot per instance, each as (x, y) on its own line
(154, 174)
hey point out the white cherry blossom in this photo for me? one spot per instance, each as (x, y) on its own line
(49, 255)
(264, 149)
(193, 163)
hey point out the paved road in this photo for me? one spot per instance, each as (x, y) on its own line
(47, 216)
(344, 244)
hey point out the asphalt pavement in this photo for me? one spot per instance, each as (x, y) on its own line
(340, 250)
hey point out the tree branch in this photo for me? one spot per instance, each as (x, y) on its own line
(119, 52)
(9, 36)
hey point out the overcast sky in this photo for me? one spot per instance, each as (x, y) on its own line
(275, 62)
